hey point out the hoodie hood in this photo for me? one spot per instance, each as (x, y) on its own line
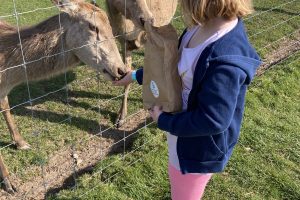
(234, 49)
(248, 65)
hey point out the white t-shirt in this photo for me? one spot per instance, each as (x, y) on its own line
(186, 68)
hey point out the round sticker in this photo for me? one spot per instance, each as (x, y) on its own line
(154, 89)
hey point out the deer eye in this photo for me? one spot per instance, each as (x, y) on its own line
(94, 28)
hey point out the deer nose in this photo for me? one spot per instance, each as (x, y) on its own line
(142, 20)
(121, 72)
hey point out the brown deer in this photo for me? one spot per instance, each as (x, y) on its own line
(82, 30)
(127, 19)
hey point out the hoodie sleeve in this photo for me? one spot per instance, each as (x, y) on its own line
(216, 103)
(139, 76)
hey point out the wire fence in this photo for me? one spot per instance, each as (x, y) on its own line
(103, 129)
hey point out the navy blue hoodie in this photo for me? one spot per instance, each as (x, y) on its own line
(209, 129)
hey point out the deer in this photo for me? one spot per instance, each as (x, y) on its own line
(81, 32)
(128, 18)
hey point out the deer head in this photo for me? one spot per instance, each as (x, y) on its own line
(135, 10)
(89, 36)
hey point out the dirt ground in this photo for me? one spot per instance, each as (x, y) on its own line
(286, 48)
(59, 172)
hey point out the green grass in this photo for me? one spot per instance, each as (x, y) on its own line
(264, 164)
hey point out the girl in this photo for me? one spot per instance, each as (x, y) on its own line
(217, 64)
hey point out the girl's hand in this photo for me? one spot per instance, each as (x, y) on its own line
(155, 112)
(126, 80)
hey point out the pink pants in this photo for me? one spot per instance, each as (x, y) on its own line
(187, 186)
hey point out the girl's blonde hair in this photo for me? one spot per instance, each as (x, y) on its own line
(200, 11)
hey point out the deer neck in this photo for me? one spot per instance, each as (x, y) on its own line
(42, 50)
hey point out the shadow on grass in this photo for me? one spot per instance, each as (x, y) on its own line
(56, 89)
(4, 144)
(37, 89)
(117, 148)
(19, 95)
(91, 126)
(88, 125)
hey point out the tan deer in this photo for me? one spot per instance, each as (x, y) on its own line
(127, 19)
(85, 34)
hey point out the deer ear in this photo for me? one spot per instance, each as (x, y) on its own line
(119, 5)
(68, 6)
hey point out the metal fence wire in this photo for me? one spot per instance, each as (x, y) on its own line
(54, 115)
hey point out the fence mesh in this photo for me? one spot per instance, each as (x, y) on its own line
(69, 120)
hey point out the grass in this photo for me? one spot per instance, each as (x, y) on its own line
(265, 162)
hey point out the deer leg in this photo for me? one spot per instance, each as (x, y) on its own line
(15, 135)
(123, 109)
(5, 177)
